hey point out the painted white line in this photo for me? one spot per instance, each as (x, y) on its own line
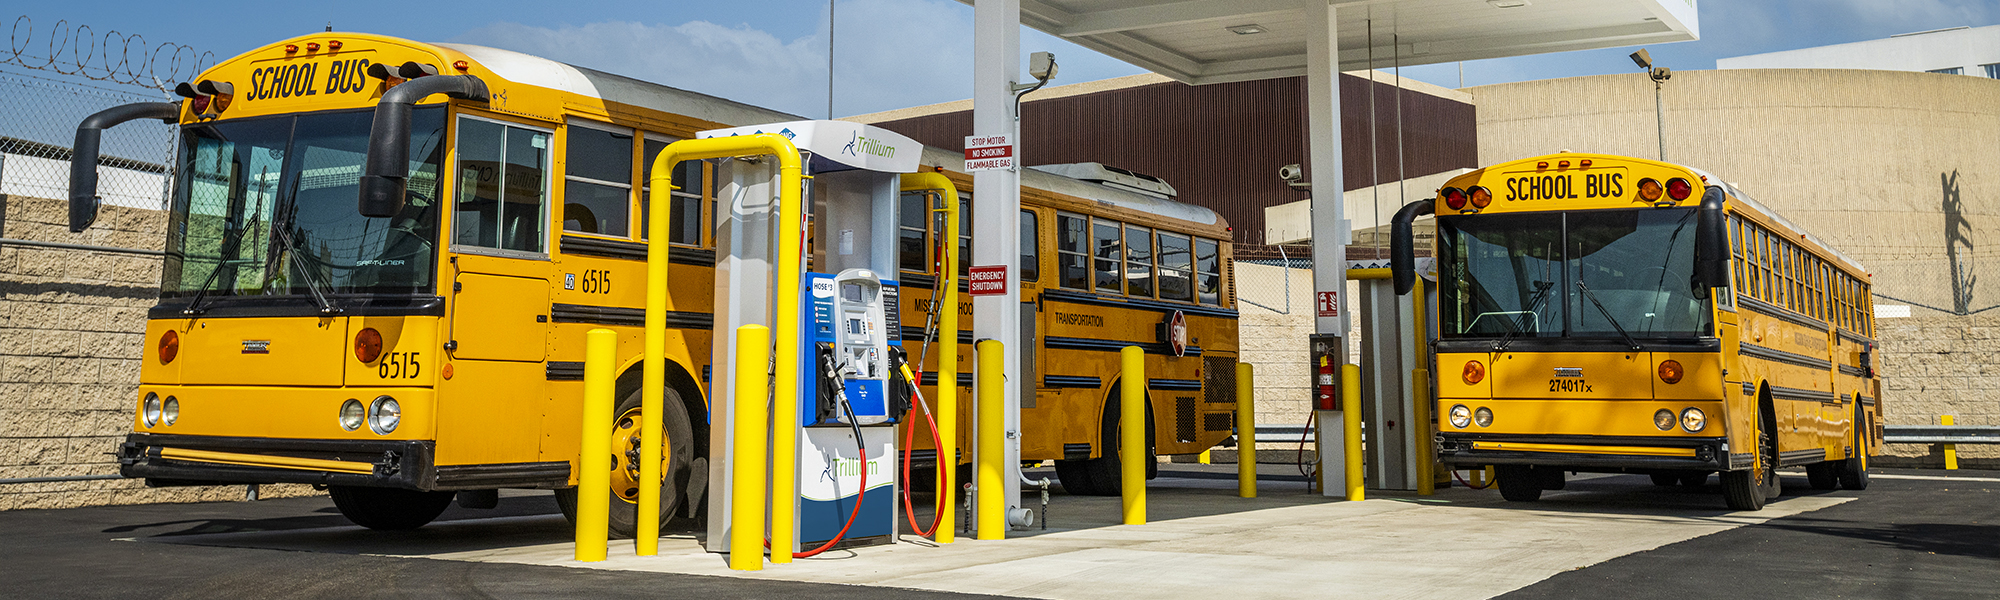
(1931, 479)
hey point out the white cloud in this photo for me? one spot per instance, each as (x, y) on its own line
(892, 54)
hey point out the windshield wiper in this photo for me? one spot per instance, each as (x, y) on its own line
(1607, 316)
(284, 237)
(1521, 325)
(194, 306)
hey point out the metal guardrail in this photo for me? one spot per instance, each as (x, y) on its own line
(1937, 434)
(1273, 434)
(64, 246)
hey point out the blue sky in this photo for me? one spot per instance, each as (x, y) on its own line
(890, 53)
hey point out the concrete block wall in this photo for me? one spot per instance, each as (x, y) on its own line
(1936, 364)
(72, 329)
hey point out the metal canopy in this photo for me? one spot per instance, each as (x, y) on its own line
(1192, 40)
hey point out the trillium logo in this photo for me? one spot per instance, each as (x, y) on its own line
(859, 145)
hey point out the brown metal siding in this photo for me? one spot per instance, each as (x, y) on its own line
(1221, 145)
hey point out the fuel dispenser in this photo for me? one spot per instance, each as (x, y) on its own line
(838, 471)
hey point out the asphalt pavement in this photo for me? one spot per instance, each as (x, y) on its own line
(1913, 534)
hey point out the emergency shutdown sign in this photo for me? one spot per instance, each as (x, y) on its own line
(988, 152)
(987, 281)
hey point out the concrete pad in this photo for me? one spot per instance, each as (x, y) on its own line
(1202, 541)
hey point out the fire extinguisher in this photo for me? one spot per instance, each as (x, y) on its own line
(1325, 373)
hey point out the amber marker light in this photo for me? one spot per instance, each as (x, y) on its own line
(1670, 371)
(1479, 195)
(1649, 189)
(367, 345)
(1473, 373)
(170, 346)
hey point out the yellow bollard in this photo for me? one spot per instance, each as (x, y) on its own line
(746, 466)
(786, 275)
(593, 463)
(1203, 457)
(992, 459)
(1246, 433)
(1950, 450)
(1350, 402)
(1420, 380)
(1132, 432)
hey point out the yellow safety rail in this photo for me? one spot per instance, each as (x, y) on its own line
(786, 275)
(1350, 403)
(1132, 432)
(992, 444)
(947, 366)
(1246, 433)
(600, 377)
(1420, 393)
(746, 465)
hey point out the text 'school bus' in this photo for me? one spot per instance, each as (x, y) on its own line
(1612, 314)
(398, 360)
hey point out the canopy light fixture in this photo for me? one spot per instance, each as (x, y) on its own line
(1252, 29)
(1507, 3)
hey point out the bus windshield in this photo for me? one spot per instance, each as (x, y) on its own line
(1563, 274)
(267, 207)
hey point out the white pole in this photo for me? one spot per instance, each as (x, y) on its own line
(996, 207)
(1329, 249)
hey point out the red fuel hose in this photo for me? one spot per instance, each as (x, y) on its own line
(909, 509)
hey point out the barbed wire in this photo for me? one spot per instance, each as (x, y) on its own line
(78, 50)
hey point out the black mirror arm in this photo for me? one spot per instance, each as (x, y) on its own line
(1402, 245)
(83, 199)
(385, 175)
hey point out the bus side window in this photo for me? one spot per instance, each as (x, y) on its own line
(1139, 274)
(597, 182)
(502, 185)
(1208, 270)
(1072, 258)
(1176, 267)
(912, 248)
(689, 179)
(1109, 250)
(1031, 247)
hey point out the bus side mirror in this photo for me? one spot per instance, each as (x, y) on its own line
(1711, 253)
(1402, 245)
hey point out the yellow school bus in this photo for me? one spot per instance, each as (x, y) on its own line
(1103, 268)
(383, 255)
(1612, 314)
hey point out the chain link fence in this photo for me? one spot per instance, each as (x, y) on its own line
(52, 77)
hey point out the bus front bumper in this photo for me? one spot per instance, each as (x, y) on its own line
(176, 460)
(1611, 453)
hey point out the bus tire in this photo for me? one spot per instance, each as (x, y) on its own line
(678, 456)
(1853, 471)
(1075, 477)
(1518, 483)
(1104, 473)
(389, 509)
(1822, 475)
(1665, 478)
(1747, 489)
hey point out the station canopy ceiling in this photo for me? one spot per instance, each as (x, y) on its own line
(1218, 41)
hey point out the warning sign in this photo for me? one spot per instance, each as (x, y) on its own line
(988, 152)
(987, 281)
(1329, 304)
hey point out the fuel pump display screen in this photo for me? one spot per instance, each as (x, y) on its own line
(853, 292)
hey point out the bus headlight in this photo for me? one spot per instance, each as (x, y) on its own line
(1460, 416)
(352, 414)
(1693, 420)
(1483, 416)
(150, 410)
(1664, 419)
(385, 415)
(170, 410)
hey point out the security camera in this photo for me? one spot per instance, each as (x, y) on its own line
(1643, 59)
(1294, 176)
(1042, 65)
(1291, 173)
